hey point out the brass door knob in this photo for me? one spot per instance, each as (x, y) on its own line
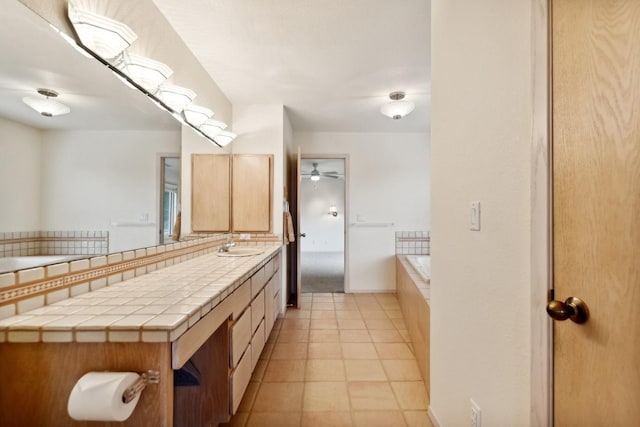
(572, 308)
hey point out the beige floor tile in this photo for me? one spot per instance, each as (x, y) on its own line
(326, 419)
(267, 350)
(381, 335)
(274, 419)
(411, 394)
(380, 324)
(402, 370)
(417, 419)
(405, 335)
(340, 296)
(393, 351)
(323, 314)
(293, 313)
(275, 397)
(293, 335)
(325, 396)
(394, 314)
(346, 305)
(325, 350)
(258, 372)
(322, 295)
(378, 419)
(354, 335)
(320, 335)
(358, 350)
(399, 323)
(324, 370)
(368, 395)
(322, 299)
(304, 305)
(322, 306)
(348, 314)
(369, 306)
(351, 324)
(284, 370)
(289, 351)
(389, 305)
(373, 314)
(324, 324)
(289, 324)
(249, 397)
(364, 370)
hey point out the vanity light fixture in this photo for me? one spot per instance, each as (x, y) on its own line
(196, 115)
(398, 107)
(175, 97)
(105, 37)
(224, 138)
(46, 106)
(146, 72)
(333, 210)
(212, 127)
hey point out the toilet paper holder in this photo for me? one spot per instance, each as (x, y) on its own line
(149, 377)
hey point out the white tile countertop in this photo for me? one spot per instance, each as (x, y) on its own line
(157, 307)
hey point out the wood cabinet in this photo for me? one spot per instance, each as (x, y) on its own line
(210, 192)
(231, 192)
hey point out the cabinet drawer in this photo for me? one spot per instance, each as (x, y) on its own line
(240, 336)
(240, 380)
(258, 280)
(257, 345)
(257, 310)
(241, 298)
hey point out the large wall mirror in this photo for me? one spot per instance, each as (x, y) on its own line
(96, 169)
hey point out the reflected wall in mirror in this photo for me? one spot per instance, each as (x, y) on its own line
(94, 170)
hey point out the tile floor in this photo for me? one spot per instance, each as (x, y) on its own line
(340, 360)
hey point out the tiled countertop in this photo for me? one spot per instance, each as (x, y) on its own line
(157, 307)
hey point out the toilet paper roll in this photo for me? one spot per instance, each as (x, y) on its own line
(97, 396)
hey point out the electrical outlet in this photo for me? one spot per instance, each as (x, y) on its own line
(476, 415)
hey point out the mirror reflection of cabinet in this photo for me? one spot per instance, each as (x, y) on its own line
(231, 192)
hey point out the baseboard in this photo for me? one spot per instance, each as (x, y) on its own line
(433, 418)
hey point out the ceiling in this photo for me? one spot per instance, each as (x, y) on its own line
(332, 63)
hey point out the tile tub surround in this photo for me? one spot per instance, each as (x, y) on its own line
(156, 307)
(413, 243)
(29, 243)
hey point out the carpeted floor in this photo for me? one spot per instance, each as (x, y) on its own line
(322, 272)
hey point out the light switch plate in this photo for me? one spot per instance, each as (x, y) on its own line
(475, 216)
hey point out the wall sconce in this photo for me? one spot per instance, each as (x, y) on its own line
(212, 127)
(196, 115)
(224, 138)
(333, 210)
(105, 37)
(176, 97)
(146, 72)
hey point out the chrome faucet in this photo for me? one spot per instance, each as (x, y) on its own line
(225, 247)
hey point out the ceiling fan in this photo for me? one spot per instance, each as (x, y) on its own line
(315, 174)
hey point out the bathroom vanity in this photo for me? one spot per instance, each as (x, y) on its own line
(210, 312)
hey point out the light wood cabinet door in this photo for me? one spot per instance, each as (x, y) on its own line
(251, 193)
(210, 192)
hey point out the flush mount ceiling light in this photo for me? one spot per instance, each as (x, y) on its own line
(397, 108)
(46, 106)
(212, 127)
(224, 138)
(196, 115)
(148, 73)
(176, 97)
(104, 36)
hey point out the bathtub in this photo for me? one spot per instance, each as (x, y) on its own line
(422, 265)
(22, 262)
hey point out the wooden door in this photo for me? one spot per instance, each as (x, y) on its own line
(596, 209)
(252, 189)
(210, 192)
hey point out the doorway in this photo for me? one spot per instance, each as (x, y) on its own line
(169, 197)
(322, 207)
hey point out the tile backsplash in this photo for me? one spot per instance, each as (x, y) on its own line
(30, 243)
(413, 243)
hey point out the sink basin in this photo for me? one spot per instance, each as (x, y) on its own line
(241, 251)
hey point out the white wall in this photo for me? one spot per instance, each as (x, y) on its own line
(20, 176)
(480, 140)
(388, 181)
(325, 233)
(94, 178)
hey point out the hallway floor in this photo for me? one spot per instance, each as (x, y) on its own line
(340, 360)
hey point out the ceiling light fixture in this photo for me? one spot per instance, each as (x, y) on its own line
(398, 107)
(146, 72)
(212, 127)
(224, 138)
(46, 106)
(105, 37)
(175, 97)
(197, 115)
